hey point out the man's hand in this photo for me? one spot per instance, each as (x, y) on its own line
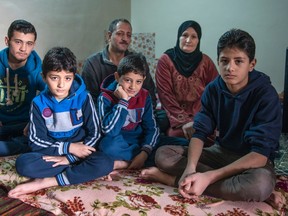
(59, 160)
(81, 150)
(138, 161)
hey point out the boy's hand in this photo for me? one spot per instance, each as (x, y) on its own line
(81, 150)
(193, 184)
(138, 161)
(25, 130)
(120, 93)
(59, 160)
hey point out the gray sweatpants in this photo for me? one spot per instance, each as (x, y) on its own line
(250, 185)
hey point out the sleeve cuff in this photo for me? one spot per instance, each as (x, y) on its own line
(147, 149)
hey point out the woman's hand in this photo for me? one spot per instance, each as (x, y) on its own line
(188, 130)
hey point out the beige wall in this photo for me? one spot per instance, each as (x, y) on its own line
(80, 24)
(77, 24)
(265, 20)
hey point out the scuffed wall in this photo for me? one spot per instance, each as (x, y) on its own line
(79, 25)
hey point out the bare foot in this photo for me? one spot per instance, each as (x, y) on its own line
(114, 175)
(153, 173)
(32, 186)
(276, 200)
(120, 165)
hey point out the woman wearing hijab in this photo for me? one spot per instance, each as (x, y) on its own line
(181, 76)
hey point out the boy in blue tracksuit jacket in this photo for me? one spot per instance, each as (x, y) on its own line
(126, 114)
(244, 108)
(64, 128)
(20, 81)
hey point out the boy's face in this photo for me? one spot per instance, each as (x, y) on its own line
(20, 46)
(234, 67)
(59, 83)
(120, 39)
(131, 83)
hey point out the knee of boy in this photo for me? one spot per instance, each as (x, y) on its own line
(22, 167)
(23, 164)
(265, 183)
(262, 183)
(164, 157)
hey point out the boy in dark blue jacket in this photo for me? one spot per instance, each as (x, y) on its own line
(126, 114)
(244, 108)
(64, 128)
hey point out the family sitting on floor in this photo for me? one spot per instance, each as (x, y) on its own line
(223, 128)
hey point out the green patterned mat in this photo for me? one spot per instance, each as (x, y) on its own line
(281, 160)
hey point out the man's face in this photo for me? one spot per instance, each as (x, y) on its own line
(120, 39)
(20, 46)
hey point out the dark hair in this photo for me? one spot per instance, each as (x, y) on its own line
(21, 26)
(135, 63)
(57, 59)
(113, 24)
(237, 38)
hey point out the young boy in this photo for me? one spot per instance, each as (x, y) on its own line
(126, 114)
(20, 80)
(63, 131)
(244, 108)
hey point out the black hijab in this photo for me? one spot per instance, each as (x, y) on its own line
(184, 62)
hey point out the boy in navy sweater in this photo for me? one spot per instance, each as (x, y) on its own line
(244, 108)
(64, 128)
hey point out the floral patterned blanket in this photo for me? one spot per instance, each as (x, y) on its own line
(128, 194)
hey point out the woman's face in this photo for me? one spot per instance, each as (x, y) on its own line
(189, 40)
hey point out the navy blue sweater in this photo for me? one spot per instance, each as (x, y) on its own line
(249, 121)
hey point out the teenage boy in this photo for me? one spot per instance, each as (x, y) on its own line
(63, 131)
(20, 79)
(244, 108)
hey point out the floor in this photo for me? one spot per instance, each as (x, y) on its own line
(281, 160)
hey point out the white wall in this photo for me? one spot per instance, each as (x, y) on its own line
(265, 20)
(77, 24)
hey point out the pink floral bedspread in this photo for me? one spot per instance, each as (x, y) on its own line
(128, 194)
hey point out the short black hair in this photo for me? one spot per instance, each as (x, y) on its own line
(135, 63)
(237, 38)
(21, 26)
(113, 24)
(57, 59)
